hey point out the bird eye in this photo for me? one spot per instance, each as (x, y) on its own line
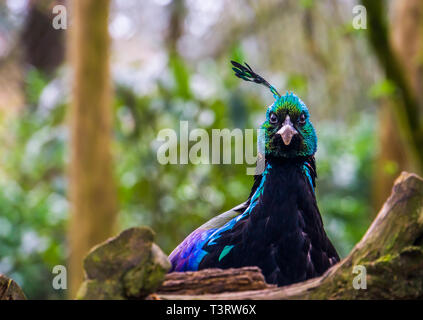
(273, 118)
(302, 119)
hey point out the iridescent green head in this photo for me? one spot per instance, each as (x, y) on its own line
(288, 131)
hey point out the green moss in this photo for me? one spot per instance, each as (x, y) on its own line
(385, 258)
(127, 266)
(391, 243)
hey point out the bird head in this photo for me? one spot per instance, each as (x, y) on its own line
(287, 130)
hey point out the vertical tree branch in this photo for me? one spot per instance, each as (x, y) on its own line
(406, 108)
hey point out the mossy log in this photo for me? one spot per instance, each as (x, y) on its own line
(391, 252)
(128, 266)
(10, 290)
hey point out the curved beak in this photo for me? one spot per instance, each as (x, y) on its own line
(287, 131)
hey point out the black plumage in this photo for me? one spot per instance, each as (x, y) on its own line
(284, 230)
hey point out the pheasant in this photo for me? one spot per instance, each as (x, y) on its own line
(279, 227)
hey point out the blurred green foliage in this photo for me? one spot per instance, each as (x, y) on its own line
(33, 203)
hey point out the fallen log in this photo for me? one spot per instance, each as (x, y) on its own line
(390, 257)
(214, 281)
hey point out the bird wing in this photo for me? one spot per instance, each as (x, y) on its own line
(188, 254)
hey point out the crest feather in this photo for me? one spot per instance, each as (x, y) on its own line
(247, 74)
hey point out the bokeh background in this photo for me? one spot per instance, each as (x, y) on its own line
(169, 61)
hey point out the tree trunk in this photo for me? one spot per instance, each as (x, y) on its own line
(406, 41)
(397, 56)
(391, 252)
(92, 186)
(392, 157)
